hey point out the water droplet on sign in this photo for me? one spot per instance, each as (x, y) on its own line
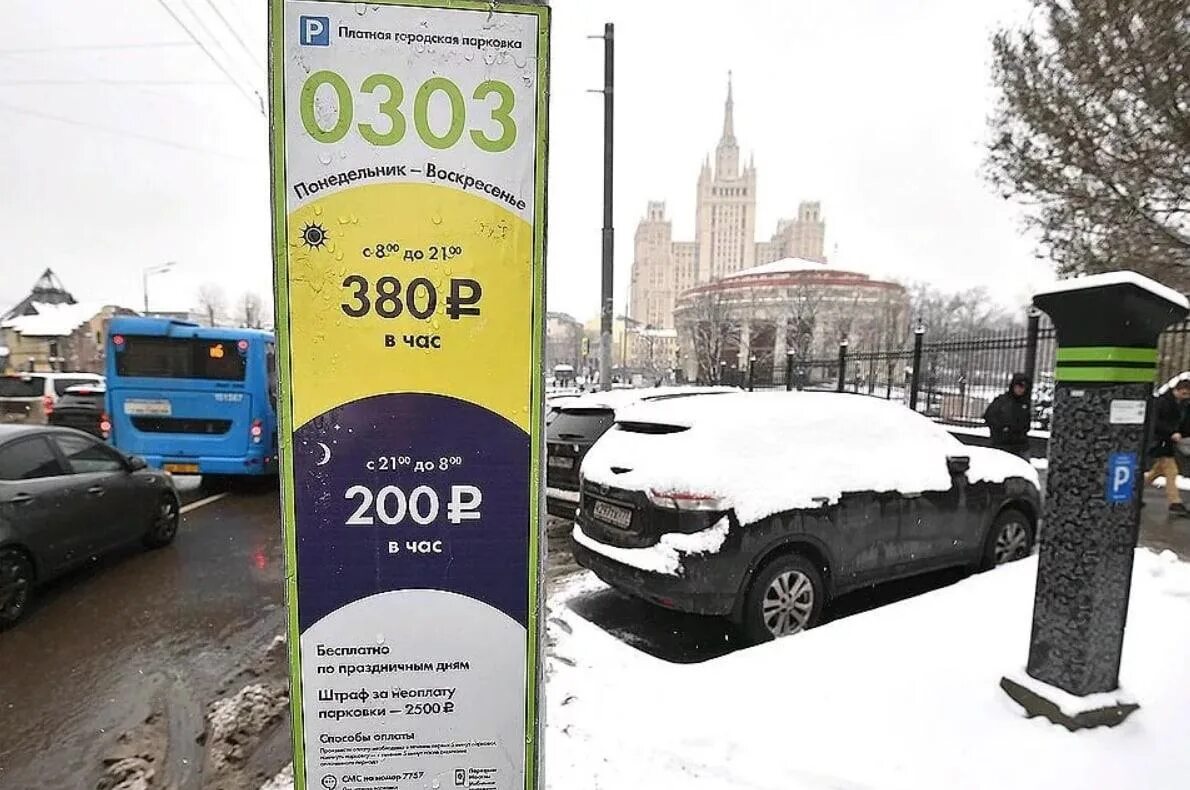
(324, 158)
(361, 8)
(489, 58)
(436, 219)
(344, 220)
(468, 56)
(318, 211)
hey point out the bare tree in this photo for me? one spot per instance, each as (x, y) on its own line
(706, 319)
(211, 302)
(251, 310)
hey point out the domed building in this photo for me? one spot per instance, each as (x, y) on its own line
(791, 309)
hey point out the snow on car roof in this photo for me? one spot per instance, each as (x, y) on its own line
(772, 452)
(619, 399)
(1116, 278)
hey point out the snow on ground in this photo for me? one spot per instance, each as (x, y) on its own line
(768, 452)
(905, 697)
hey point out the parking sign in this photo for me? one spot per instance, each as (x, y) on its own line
(409, 209)
(1122, 469)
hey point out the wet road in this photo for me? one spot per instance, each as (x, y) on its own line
(135, 632)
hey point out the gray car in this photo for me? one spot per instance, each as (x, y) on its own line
(66, 498)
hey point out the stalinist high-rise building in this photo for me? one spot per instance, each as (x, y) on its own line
(724, 234)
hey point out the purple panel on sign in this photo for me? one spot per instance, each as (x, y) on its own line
(382, 463)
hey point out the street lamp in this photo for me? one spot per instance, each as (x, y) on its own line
(148, 270)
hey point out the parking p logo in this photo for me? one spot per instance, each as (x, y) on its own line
(315, 31)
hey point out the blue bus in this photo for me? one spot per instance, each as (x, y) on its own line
(191, 399)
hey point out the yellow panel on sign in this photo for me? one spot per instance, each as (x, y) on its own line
(469, 239)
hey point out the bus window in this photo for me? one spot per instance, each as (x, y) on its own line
(180, 358)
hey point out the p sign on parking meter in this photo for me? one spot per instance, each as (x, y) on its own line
(409, 202)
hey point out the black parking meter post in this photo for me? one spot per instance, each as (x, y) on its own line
(1107, 329)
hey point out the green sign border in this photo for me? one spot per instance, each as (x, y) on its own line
(534, 734)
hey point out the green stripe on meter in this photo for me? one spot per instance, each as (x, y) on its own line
(1076, 372)
(1107, 354)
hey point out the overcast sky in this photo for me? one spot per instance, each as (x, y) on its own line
(877, 108)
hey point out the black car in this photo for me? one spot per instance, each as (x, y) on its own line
(762, 507)
(81, 407)
(65, 498)
(573, 425)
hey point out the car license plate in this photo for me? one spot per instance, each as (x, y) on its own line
(147, 408)
(181, 469)
(561, 462)
(616, 516)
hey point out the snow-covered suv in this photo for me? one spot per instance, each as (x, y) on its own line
(762, 506)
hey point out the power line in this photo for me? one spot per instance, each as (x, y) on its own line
(88, 47)
(125, 133)
(213, 59)
(235, 33)
(219, 83)
(216, 40)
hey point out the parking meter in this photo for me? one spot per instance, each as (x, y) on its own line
(1107, 330)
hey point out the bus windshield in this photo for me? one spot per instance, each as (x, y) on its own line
(180, 358)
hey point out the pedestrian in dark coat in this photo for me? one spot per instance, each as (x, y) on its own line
(1169, 417)
(1008, 417)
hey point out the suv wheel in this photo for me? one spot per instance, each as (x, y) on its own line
(16, 586)
(786, 597)
(1011, 538)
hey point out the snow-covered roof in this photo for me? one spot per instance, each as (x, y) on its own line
(619, 399)
(783, 266)
(1116, 278)
(770, 452)
(53, 320)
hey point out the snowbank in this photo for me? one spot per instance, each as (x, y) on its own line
(770, 452)
(905, 697)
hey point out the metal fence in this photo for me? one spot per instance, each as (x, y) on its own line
(951, 379)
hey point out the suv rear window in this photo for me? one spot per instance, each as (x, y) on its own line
(180, 358)
(89, 399)
(580, 424)
(22, 386)
(61, 385)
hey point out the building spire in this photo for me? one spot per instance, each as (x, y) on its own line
(728, 119)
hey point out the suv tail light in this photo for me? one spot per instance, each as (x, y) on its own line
(256, 431)
(47, 405)
(687, 500)
(105, 425)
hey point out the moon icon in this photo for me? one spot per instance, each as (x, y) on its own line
(326, 455)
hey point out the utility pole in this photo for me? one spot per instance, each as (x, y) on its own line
(605, 315)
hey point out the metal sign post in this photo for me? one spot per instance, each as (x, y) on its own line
(1107, 327)
(409, 173)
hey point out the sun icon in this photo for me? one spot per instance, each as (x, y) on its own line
(314, 236)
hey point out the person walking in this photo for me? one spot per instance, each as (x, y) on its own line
(1008, 417)
(1169, 414)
